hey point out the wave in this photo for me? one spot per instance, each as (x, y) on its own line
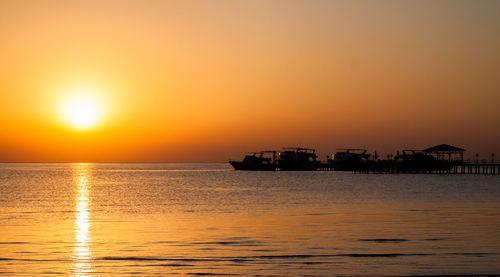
(293, 256)
(260, 257)
(384, 240)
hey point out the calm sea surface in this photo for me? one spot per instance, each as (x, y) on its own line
(206, 219)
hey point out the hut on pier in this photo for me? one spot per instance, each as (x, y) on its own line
(444, 150)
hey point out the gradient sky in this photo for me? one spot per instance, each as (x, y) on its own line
(210, 80)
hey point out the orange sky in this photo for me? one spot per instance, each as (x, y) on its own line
(210, 80)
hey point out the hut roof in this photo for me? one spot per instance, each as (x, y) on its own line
(444, 148)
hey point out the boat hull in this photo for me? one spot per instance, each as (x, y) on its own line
(256, 167)
(299, 167)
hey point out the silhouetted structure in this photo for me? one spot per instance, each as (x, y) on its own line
(347, 159)
(444, 149)
(257, 161)
(297, 158)
(436, 159)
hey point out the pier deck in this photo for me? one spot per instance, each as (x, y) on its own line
(391, 167)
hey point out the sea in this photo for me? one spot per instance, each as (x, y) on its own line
(160, 219)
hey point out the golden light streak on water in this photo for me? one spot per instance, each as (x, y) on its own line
(82, 256)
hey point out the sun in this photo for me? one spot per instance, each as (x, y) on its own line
(82, 109)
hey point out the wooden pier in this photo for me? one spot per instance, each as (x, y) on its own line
(469, 167)
(444, 167)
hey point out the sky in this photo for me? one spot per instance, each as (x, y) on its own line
(203, 81)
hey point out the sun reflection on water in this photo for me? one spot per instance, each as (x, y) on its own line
(82, 256)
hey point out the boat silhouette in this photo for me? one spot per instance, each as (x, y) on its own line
(297, 158)
(348, 159)
(292, 158)
(257, 161)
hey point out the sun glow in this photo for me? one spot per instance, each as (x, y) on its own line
(82, 109)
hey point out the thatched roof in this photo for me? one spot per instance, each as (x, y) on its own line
(443, 148)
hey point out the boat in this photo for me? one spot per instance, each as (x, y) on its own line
(257, 161)
(348, 159)
(297, 158)
(350, 155)
(414, 156)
